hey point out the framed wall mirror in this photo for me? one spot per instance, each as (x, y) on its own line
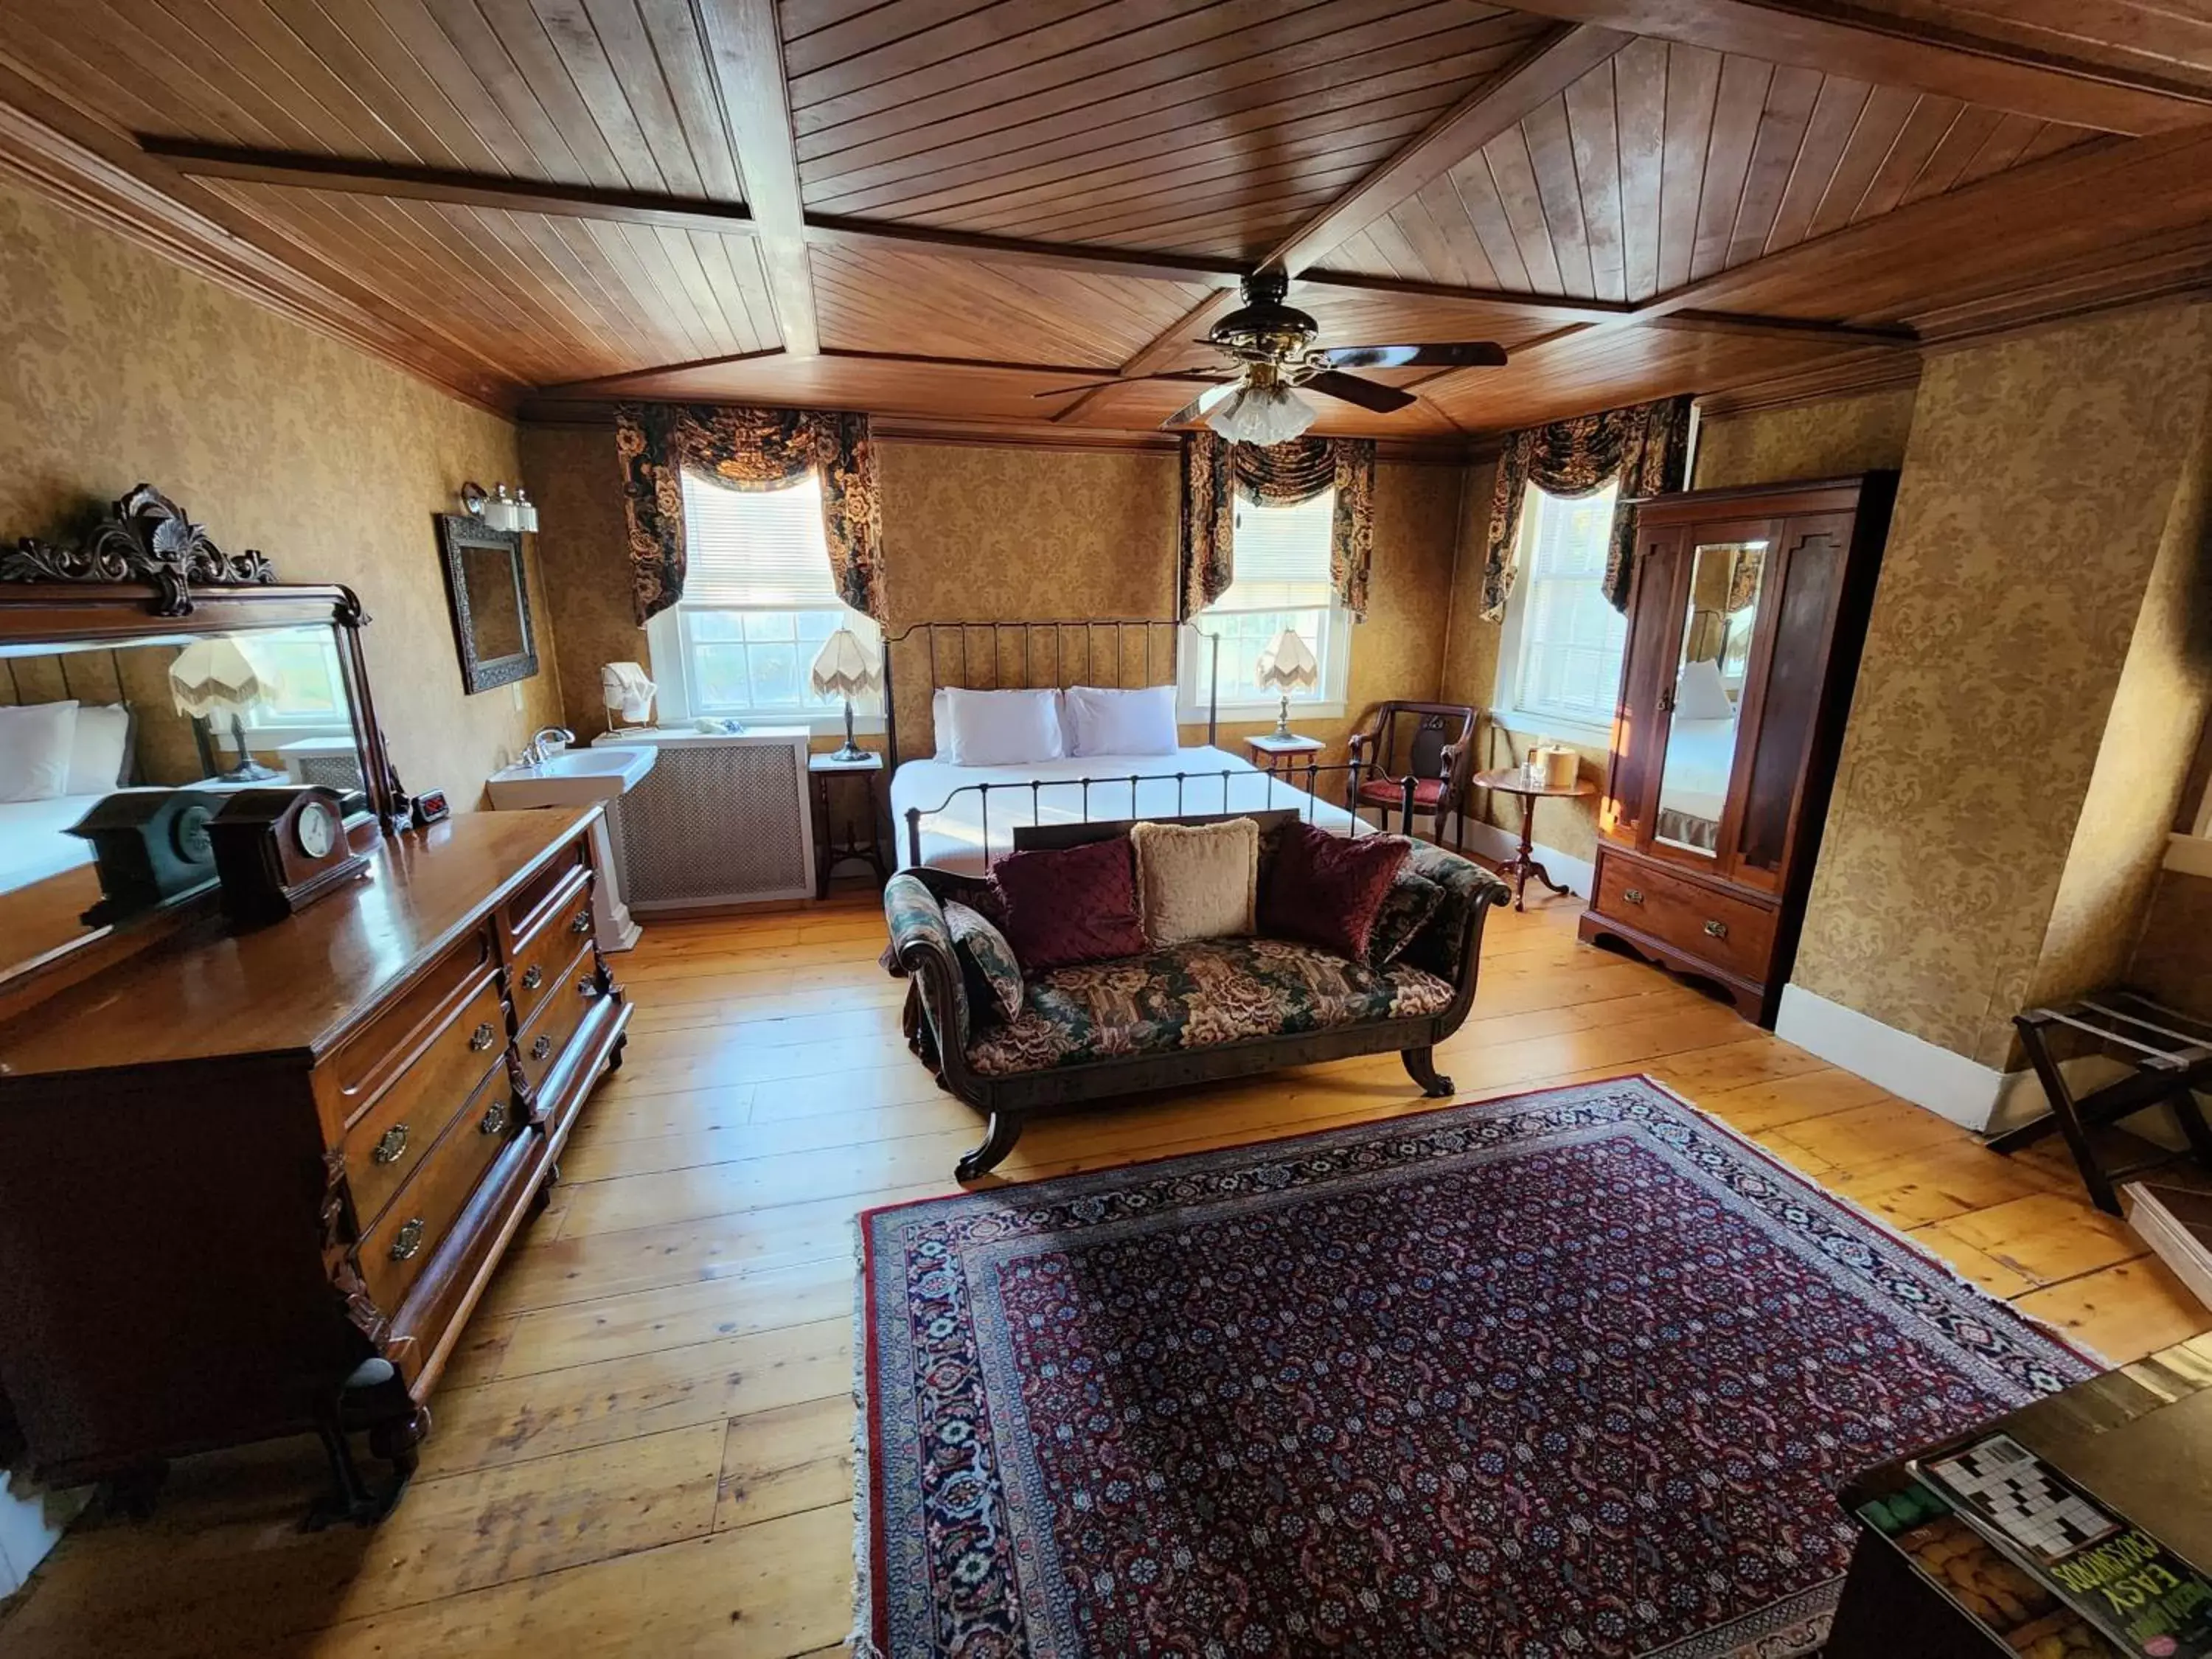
(144, 674)
(489, 585)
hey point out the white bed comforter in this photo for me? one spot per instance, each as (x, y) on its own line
(954, 818)
(33, 839)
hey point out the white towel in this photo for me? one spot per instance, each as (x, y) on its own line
(623, 686)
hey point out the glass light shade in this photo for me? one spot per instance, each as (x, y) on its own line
(1261, 415)
(213, 675)
(502, 511)
(843, 668)
(1288, 665)
(527, 510)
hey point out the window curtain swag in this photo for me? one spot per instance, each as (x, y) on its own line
(1216, 473)
(1643, 446)
(747, 449)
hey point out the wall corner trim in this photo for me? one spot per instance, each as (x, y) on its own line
(1950, 1085)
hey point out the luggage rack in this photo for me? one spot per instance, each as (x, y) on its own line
(2167, 1054)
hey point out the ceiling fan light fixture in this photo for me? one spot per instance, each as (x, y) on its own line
(1261, 415)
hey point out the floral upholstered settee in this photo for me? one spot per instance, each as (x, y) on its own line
(1192, 1013)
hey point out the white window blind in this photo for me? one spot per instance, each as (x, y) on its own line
(1571, 639)
(755, 548)
(1280, 555)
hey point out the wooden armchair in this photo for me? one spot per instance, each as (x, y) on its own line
(1432, 743)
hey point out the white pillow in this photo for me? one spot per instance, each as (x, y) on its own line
(997, 728)
(1700, 696)
(100, 749)
(34, 749)
(1103, 722)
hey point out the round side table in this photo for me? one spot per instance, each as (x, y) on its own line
(1512, 780)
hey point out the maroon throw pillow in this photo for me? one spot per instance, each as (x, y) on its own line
(1075, 904)
(1324, 890)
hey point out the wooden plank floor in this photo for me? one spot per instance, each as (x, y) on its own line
(644, 1448)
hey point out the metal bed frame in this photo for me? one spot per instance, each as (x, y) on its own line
(1086, 628)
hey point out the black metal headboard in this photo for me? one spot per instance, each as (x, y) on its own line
(994, 656)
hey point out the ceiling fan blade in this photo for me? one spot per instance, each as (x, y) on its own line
(1466, 353)
(1200, 405)
(1126, 380)
(1368, 394)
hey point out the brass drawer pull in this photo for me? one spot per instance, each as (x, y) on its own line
(542, 1048)
(481, 1039)
(392, 1146)
(582, 924)
(532, 977)
(407, 1241)
(494, 1119)
(1632, 894)
(1717, 929)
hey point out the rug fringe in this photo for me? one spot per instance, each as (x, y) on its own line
(861, 1643)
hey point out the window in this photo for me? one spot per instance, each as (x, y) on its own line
(1559, 662)
(1281, 580)
(758, 601)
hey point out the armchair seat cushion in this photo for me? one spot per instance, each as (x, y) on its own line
(1196, 995)
(1384, 792)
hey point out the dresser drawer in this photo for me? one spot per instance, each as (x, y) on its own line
(569, 1000)
(532, 966)
(426, 1042)
(1730, 932)
(392, 1139)
(535, 902)
(415, 1227)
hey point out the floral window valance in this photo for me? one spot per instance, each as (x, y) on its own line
(1643, 445)
(1215, 473)
(747, 449)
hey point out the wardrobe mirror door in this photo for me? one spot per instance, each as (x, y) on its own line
(1705, 701)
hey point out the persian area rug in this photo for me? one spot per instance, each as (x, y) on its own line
(1570, 1374)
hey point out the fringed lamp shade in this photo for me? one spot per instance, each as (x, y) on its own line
(213, 677)
(844, 668)
(1285, 666)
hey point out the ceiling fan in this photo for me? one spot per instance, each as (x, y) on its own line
(1271, 344)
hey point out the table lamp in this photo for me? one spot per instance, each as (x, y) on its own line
(842, 669)
(1288, 665)
(213, 677)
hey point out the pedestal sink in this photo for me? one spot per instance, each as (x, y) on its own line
(577, 777)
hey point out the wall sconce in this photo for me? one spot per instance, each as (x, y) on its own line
(499, 510)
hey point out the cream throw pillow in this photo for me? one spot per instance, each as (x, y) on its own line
(1196, 881)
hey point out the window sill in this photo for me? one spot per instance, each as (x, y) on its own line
(1584, 734)
(820, 725)
(2190, 855)
(1244, 713)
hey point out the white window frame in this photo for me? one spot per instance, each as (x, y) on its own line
(1505, 701)
(2190, 851)
(272, 725)
(1194, 686)
(669, 648)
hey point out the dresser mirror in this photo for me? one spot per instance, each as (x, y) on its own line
(1705, 703)
(139, 661)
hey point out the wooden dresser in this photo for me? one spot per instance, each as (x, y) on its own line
(1746, 615)
(239, 1167)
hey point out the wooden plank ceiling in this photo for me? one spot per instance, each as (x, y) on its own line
(944, 208)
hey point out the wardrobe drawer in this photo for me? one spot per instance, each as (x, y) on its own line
(415, 1224)
(1730, 932)
(532, 965)
(427, 1040)
(392, 1139)
(569, 1000)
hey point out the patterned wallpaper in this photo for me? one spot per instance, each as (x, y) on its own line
(1004, 531)
(1833, 438)
(2039, 482)
(122, 367)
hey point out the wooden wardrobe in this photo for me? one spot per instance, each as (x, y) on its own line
(1746, 614)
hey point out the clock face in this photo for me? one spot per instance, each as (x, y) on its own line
(188, 832)
(317, 828)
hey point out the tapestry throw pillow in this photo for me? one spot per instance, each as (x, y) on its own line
(993, 972)
(1406, 907)
(1071, 905)
(1197, 880)
(1324, 890)
(1102, 721)
(35, 739)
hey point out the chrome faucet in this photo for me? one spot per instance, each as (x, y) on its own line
(536, 753)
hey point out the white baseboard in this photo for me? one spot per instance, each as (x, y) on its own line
(1492, 842)
(1950, 1085)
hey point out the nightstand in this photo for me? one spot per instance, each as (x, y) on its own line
(863, 843)
(1283, 757)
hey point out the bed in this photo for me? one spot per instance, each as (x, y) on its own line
(34, 841)
(1700, 754)
(962, 818)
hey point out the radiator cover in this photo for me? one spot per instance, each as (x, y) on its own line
(718, 820)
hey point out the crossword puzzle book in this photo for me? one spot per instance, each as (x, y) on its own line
(2138, 1592)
